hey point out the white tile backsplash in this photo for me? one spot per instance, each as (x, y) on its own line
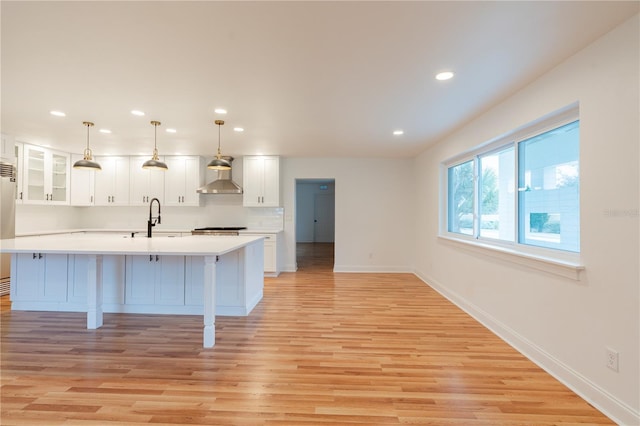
(217, 210)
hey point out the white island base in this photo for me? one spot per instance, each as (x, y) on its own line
(189, 275)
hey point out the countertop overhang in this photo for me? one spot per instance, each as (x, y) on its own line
(197, 245)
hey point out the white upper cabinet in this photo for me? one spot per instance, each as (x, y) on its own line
(112, 183)
(184, 177)
(82, 184)
(46, 176)
(19, 147)
(261, 181)
(7, 151)
(145, 184)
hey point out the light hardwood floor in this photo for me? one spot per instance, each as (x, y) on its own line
(320, 348)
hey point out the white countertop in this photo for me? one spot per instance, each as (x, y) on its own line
(197, 245)
(139, 232)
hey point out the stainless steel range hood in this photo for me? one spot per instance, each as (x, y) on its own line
(222, 185)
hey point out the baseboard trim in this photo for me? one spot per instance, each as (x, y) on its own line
(372, 269)
(609, 405)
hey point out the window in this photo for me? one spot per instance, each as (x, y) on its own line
(548, 190)
(521, 190)
(496, 208)
(461, 198)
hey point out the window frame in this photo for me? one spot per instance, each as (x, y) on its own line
(558, 261)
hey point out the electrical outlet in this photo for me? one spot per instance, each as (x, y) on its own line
(612, 359)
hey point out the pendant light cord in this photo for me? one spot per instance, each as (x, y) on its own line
(87, 136)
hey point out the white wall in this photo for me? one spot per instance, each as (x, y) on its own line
(33, 218)
(563, 324)
(374, 211)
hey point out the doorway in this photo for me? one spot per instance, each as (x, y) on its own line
(315, 224)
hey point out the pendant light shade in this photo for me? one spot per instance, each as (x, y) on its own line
(87, 162)
(154, 163)
(219, 163)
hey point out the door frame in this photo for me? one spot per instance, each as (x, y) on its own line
(319, 181)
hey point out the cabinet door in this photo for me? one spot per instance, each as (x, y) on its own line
(192, 181)
(252, 181)
(174, 189)
(169, 279)
(29, 274)
(121, 182)
(55, 277)
(269, 256)
(104, 185)
(35, 184)
(113, 279)
(182, 180)
(77, 279)
(144, 184)
(46, 176)
(41, 277)
(229, 280)
(271, 182)
(140, 280)
(261, 181)
(60, 177)
(82, 184)
(112, 183)
(194, 279)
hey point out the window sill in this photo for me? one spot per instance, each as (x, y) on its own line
(564, 268)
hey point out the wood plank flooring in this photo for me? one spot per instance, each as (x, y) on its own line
(320, 348)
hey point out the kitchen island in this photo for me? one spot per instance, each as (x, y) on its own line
(117, 273)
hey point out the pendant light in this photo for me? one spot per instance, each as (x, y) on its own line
(219, 163)
(87, 162)
(154, 163)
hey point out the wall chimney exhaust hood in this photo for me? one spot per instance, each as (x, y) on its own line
(222, 185)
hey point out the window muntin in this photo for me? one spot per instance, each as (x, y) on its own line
(525, 188)
(549, 190)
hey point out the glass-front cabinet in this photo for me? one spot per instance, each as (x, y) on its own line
(46, 176)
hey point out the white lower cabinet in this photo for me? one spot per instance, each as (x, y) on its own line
(154, 280)
(42, 277)
(134, 284)
(231, 297)
(272, 255)
(113, 273)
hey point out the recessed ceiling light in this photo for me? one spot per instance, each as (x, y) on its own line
(58, 113)
(137, 112)
(445, 75)
(220, 111)
(171, 130)
(238, 129)
(398, 132)
(104, 131)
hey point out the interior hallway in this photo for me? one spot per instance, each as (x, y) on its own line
(315, 256)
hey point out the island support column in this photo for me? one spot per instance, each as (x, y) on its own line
(209, 333)
(94, 291)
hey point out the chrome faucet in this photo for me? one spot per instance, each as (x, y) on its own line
(151, 222)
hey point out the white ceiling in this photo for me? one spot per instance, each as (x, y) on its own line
(303, 78)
